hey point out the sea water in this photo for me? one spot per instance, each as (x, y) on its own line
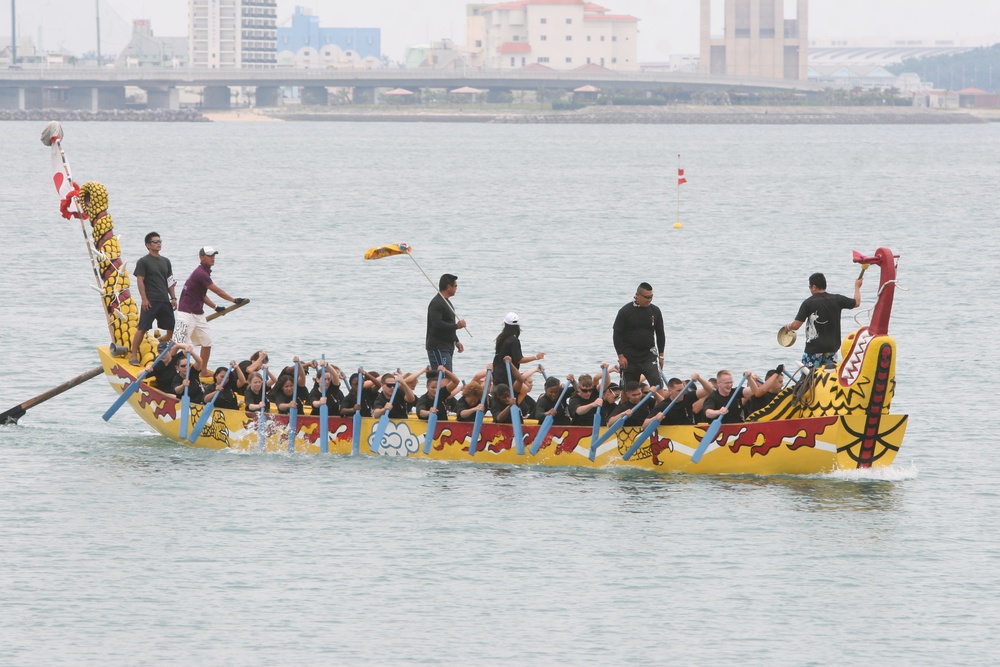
(118, 546)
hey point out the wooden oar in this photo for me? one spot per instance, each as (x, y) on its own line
(477, 426)
(324, 411)
(713, 429)
(515, 415)
(621, 422)
(133, 387)
(209, 408)
(356, 436)
(383, 421)
(11, 416)
(432, 418)
(543, 431)
(648, 431)
(293, 412)
(186, 401)
(597, 415)
(262, 417)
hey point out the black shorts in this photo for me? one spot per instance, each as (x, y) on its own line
(647, 368)
(159, 311)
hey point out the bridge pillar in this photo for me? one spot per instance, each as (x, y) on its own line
(111, 98)
(216, 97)
(163, 98)
(267, 96)
(83, 99)
(12, 98)
(34, 98)
(315, 95)
(363, 95)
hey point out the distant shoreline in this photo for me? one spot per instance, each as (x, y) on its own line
(591, 115)
(671, 115)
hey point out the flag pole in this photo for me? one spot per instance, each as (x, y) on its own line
(680, 180)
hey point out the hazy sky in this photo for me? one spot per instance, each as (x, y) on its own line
(665, 27)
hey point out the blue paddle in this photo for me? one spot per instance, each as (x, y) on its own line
(293, 412)
(383, 421)
(597, 416)
(356, 437)
(207, 412)
(324, 412)
(515, 415)
(186, 401)
(133, 387)
(648, 431)
(543, 431)
(713, 430)
(262, 417)
(621, 422)
(478, 424)
(432, 418)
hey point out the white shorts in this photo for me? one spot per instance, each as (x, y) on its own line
(194, 329)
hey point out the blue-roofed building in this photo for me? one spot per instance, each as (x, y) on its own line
(305, 44)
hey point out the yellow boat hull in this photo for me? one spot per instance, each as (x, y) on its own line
(815, 444)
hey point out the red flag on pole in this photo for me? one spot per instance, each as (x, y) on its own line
(680, 177)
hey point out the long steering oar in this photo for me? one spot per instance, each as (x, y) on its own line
(477, 426)
(515, 415)
(383, 421)
(621, 422)
(432, 418)
(713, 429)
(597, 415)
(262, 417)
(293, 412)
(186, 401)
(11, 416)
(653, 425)
(209, 407)
(543, 431)
(324, 411)
(356, 436)
(133, 387)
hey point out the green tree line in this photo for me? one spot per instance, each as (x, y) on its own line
(978, 68)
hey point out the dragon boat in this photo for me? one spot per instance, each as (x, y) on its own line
(834, 418)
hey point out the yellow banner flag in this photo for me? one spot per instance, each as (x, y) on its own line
(381, 251)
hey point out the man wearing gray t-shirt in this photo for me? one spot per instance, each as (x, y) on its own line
(155, 278)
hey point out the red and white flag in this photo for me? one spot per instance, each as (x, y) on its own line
(680, 177)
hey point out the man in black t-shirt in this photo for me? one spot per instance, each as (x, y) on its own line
(639, 338)
(716, 402)
(626, 409)
(821, 315)
(155, 279)
(683, 411)
(404, 399)
(546, 404)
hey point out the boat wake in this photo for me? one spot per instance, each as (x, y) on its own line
(893, 473)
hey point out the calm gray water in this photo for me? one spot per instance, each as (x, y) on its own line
(120, 547)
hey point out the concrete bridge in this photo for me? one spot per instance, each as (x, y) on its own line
(104, 88)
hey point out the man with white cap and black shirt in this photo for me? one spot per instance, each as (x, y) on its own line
(194, 297)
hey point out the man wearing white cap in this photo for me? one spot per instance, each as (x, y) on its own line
(194, 297)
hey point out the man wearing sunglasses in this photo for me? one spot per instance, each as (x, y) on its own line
(639, 338)
(155, 278)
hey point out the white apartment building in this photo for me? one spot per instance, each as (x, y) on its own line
(559, 34)
(239, 34)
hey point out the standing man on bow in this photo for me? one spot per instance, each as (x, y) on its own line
(821, 315)
(194, 298)
(155, 277)
(443, 325)
(639, 338)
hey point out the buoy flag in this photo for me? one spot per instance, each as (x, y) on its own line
(680, 177)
